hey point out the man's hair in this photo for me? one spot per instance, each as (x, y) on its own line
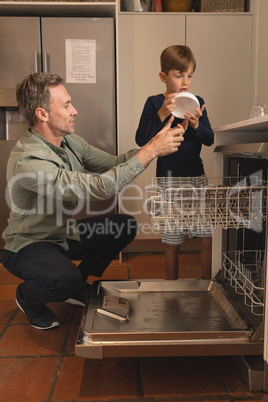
(177, 57)
(33, 92)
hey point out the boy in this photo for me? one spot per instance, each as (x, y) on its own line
(177, 68)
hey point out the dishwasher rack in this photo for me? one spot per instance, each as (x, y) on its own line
(244, 271)
(182, 203)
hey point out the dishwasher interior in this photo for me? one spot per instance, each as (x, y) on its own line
(222, 316)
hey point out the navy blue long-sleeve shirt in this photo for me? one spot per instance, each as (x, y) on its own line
(186, 162)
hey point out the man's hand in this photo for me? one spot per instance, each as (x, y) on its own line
(164, 143)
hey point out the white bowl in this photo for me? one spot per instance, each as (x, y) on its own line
(185, 102)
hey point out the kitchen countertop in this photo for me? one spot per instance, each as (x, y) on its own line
(242, 131)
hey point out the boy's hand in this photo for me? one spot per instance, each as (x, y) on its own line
(194, 118)
(169, 105)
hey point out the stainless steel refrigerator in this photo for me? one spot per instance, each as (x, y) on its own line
(82, 51)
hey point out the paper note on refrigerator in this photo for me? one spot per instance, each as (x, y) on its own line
(80, 61)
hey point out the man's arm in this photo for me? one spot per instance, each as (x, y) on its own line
(164, 143)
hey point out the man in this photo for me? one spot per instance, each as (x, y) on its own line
(46, 181)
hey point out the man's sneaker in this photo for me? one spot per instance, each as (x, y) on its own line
(80, 299)
(42, 318)
(75, 302)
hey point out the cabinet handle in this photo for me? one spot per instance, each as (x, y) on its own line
(35, 55)
(44, 61)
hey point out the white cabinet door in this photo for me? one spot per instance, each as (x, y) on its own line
(222, 45)
(142, 38)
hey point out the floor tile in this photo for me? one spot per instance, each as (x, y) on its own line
(231, 375)
(145, 272)
(7, 277)
(7, 292)
(159, 272)
(96, 379)
(119, 261)
(189, 258)
(70, 347)
(7, 310)
(146, 259)
(189, 271)
(24, 340)
(26, 380)
(180, 376)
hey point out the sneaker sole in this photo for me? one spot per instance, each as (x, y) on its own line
(74, 302)
(54, 324)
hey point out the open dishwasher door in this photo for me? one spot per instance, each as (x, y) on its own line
(187, 317)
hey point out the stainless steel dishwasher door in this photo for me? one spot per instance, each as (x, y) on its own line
(166, 318)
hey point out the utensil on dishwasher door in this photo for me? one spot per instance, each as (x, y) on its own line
(115, 307)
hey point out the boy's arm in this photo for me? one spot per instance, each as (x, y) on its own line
(149, 125)
(204, 130)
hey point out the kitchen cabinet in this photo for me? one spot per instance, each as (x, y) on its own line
(224, 64)
(222, 45)
(224, 68)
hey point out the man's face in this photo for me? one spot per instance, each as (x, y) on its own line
(62, 113)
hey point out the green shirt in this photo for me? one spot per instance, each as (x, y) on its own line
(48, 183)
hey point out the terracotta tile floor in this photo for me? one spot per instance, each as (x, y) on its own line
(41, 366)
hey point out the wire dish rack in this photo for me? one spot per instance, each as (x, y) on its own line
(207, 203)
(189, 203)
(244, 272)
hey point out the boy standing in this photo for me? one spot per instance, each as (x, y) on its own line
(177, 68)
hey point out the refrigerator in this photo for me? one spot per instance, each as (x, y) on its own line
(82, 52)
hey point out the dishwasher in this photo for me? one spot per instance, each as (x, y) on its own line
(195, 317)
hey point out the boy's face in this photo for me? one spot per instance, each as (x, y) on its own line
(177, 81)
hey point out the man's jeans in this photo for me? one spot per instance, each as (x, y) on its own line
(48, 271)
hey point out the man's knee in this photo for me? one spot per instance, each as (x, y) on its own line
(129, 227)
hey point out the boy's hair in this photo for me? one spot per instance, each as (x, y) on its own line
(177, 57)
(33, 92)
